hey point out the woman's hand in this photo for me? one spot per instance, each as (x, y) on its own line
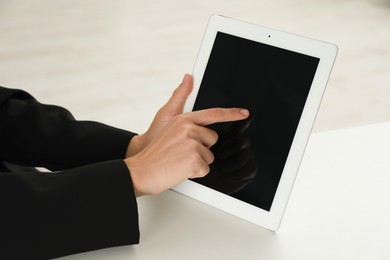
(172, 108)
(176, 147)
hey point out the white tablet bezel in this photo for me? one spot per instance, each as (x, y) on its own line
(326, 52)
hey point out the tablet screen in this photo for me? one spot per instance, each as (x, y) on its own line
(271, 82)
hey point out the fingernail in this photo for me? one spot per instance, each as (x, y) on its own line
(186, 77)
(245, 112)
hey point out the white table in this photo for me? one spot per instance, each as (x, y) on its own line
(339, 209)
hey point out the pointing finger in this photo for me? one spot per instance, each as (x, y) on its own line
(217, 115)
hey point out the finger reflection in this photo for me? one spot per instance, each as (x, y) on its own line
(234, 166)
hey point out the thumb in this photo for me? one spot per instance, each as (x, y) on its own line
(175, 104)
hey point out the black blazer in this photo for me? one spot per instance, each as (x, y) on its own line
(86, 203)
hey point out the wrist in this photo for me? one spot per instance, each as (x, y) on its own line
(134, 177)
(136, 144)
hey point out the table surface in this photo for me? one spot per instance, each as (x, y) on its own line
(339, 209)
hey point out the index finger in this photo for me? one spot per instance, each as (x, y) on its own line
(217, 115)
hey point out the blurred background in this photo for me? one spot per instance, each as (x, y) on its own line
(119, 61)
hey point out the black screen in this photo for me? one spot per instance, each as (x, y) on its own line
(271, 82)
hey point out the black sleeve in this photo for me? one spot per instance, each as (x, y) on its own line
(48, 215)
(34, 134)
(89, 204)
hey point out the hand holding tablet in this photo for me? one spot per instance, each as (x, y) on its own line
(280, 77)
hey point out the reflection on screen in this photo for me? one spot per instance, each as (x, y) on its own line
(273, 84)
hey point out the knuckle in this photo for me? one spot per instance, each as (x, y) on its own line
(189, 131)
(215, 137)
(204, 171)
(212, 158)
(184, 117)
(194, 162)
(177, 119)
(193, 147)
(201, 168)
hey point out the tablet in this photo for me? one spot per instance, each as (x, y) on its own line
(280, 78)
